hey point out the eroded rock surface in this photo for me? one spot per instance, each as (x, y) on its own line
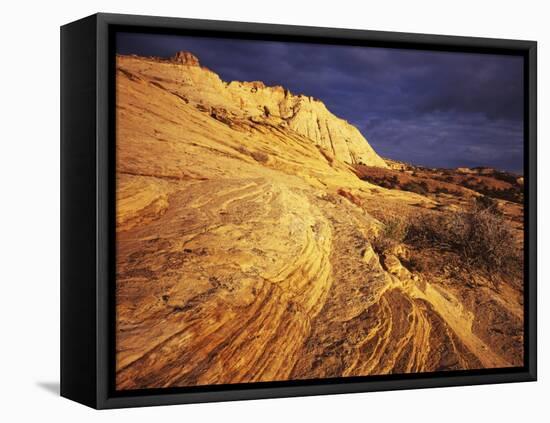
(245, 252)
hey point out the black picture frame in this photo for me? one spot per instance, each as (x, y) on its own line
(87, 211)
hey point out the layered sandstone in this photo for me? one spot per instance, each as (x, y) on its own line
(245, 245)
(307, 116)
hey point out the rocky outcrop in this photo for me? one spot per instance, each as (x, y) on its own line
(273, 106)
(185, 58)
(247, 245)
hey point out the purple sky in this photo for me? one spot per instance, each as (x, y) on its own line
(438, 109)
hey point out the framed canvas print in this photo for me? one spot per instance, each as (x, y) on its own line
(255, 211)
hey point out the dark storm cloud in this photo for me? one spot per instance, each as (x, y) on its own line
(433, 108)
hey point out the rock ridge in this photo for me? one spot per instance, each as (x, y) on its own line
(274, 106)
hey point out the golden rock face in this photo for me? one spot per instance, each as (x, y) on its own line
(244, 245)
(244, 101)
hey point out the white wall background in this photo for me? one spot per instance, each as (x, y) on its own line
(29, 209)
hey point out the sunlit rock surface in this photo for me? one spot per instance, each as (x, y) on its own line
(244, 245)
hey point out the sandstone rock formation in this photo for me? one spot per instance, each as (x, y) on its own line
(275, 106)
(185, 58)
(246, 245)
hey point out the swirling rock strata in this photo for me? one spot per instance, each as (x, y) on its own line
(244, 245)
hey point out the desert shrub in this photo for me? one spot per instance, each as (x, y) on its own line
(416, 263)
(481, 236)
(393, 181)
(260, 156)
(506, 177)
(485, 202)
(419, 188)
(445, 190)
(389, 182)
(424, 231)
(509, 194)
(391, 235)
(378, 176)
